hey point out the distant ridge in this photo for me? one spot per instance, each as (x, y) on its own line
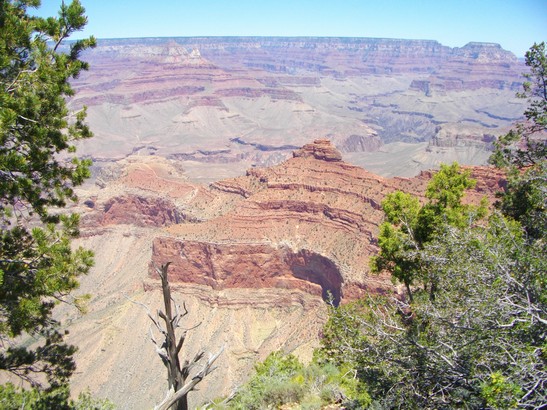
(242, 100)
(295, 39)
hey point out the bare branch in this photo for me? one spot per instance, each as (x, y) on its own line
(188, 387)
(154, 321)
(170, 348)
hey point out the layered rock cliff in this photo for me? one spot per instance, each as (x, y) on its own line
(253, 258)
(313, 204)
(309, 223)
(250, 101)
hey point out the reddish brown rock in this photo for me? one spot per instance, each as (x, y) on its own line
(254, 266)
(140, 211)
(320, 149)
(312, 204)
(248, 92)
(308, 224)
(269, 247)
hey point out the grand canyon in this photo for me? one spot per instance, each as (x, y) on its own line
(257, 167)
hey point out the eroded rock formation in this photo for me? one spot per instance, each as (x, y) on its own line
(309, 223)
(253, 258)
(251, 266)
(250, 101)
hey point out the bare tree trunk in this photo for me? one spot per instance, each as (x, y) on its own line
(175, 397)
(175, 376)
(170, 347)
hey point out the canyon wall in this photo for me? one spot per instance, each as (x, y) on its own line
(203, 158)
(253, 258)
(238, 102)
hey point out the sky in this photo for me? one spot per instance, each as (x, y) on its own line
(515, 24)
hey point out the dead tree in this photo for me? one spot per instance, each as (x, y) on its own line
(169, 347)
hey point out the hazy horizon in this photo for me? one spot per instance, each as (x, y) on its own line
(515, 25)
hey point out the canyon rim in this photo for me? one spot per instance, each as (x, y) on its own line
(257, 166)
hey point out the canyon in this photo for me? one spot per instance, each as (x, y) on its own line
(257, 168)
(223, 104)
(254, 259)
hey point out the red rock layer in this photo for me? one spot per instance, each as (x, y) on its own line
(308, 224)
(313, 203)
(250, 265)
(140, 211)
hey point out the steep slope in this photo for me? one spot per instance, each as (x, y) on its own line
(238, 102)
(253, 259)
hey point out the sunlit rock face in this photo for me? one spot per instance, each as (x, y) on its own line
(237, 102)
(309, 223)
(250, 266)
(253, 259)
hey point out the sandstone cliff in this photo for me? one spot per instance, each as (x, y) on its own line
(253, 257)
(238, 102)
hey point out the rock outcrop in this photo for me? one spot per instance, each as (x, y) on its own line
(244, 101)
(320, 149)
(140, 211)
(251, 266)
(252, 259)
(309, 223)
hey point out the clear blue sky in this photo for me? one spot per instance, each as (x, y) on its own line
(515, 24)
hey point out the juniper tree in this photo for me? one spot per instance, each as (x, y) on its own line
(480, 343)
(408, 226)
(38, 173)
(523, 151)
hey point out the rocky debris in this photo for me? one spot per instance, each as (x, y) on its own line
(463, 136)
(489, 181)
(90, 203)
(116, 358)
(360, 143)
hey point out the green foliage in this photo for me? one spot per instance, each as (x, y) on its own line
(12, 398)
(501, 394)
(34, 120)
(272, 384)
(525, 199)
(480, 342)
(283, 380)
(475, 334)
(523, 152)
(38, 172)
(445, 192)
(35, 266)
(409, 226)
(279, 364)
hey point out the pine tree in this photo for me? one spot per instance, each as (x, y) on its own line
(38, 173)
(523, 151)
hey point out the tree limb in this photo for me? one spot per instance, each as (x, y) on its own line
(173, 396)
